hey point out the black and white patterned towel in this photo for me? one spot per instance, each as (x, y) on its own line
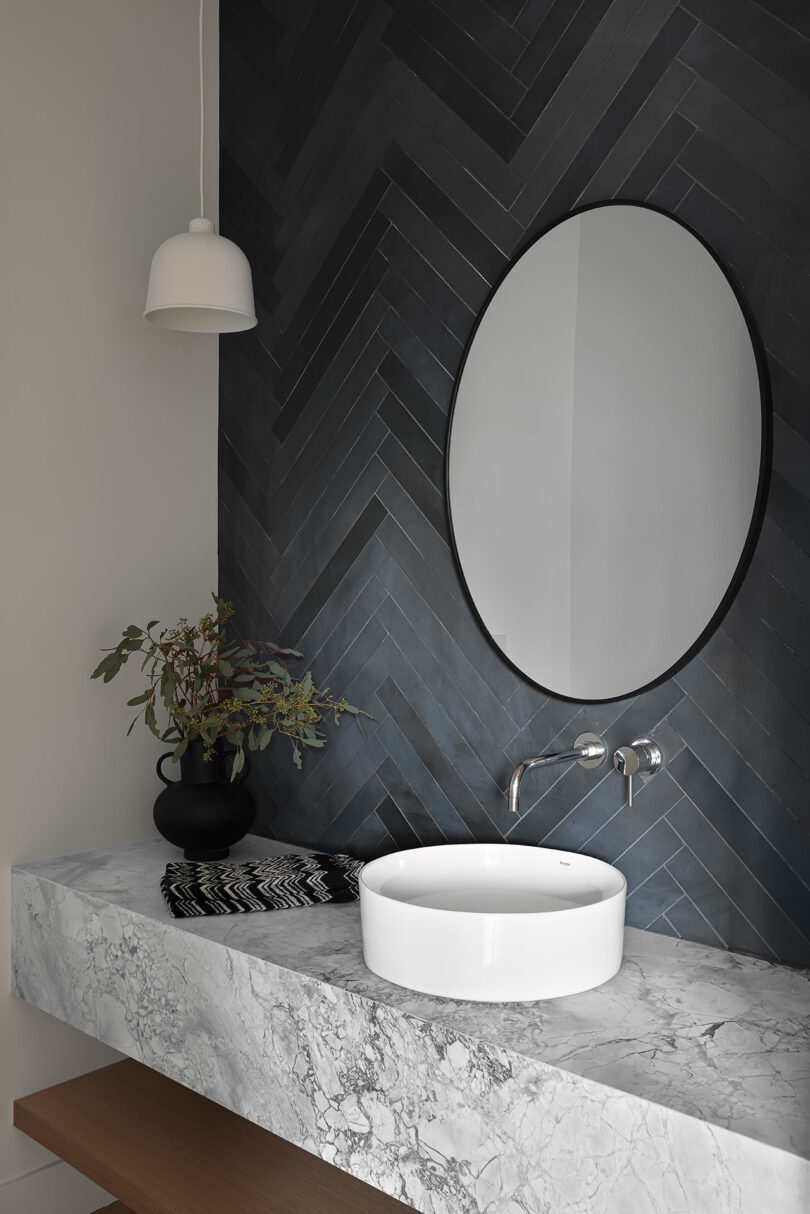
(277, 883)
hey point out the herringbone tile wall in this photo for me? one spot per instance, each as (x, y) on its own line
(381, 164)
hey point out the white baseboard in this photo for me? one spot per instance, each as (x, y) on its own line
(54, 1189)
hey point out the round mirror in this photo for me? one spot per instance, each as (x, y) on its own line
(606, 462)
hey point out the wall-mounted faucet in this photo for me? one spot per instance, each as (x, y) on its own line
(641, 757)
(588, 750)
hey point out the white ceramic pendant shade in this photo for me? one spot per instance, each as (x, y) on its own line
(200, 283)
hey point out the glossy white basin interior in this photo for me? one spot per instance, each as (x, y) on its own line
(492, 921)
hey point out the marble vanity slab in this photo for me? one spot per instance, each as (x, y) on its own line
(682, 1086)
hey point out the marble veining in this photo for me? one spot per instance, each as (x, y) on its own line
(680, 1087)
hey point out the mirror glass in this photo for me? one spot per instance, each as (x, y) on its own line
(605, 458)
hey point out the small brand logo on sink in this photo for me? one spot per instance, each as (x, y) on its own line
(565, 863)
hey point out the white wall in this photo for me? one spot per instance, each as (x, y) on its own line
(107, 455)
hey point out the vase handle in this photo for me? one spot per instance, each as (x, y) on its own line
(159, 766)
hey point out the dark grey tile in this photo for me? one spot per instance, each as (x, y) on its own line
(785, 560)
(740, 885)
(432, 796)
(744, 192)
(423, 324)
(441, 760)
(344, 321)
(330, 304)
(397, 825)
(618, 115)
(325, 583)
(489, 25)
(415, 399)
(455, 178)
(481, 114)
(584, 95)
(371, 840)
(647, 854)
(749, 141)
(455, 663)
(657, 159)
(652, 899)
(687, 922)
(761, 697)
(631, 824)
(352, 816)
(556, 18)
(777, 275)
(419, 487)
(414, 100)
(446, 215)
(482, 737)
(472, 58)
(753, 854)
(428, 285)
(464, 279)
(544, 69)
(415, 441)
(765, 39)
(409, 803)
(718, 727)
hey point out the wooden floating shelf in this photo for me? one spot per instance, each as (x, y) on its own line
(162, 1149)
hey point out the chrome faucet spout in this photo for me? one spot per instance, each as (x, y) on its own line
(588, 750)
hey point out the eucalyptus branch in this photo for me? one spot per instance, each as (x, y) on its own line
(217, 691)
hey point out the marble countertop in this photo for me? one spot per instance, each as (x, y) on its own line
(719, 1037)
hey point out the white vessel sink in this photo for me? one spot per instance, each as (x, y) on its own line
(492, 921)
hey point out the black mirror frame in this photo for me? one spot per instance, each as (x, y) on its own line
(763, 485)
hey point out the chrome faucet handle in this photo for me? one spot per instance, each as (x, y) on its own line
(642, 756)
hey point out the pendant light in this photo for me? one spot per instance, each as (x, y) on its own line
(200, 282)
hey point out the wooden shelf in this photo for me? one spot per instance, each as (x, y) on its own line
(162, 1149)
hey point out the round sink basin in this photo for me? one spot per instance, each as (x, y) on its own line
(495, 922)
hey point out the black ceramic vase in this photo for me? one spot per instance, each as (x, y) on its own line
(203, 812)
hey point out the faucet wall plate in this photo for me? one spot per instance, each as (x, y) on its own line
(599, 749)
(654, 752)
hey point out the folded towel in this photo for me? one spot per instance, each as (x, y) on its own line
(277, 883)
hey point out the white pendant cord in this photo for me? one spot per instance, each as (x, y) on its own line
(202, 115)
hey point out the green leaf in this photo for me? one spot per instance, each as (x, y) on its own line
(180, 749)
(102, 668)
(151, 625)
(117, 661)
(297, 758)
(238, 763)
(141, 699)
(265, 738)
(132, 631)
(150, 719)
(248, 694)
(167, 685)
(225, 669)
